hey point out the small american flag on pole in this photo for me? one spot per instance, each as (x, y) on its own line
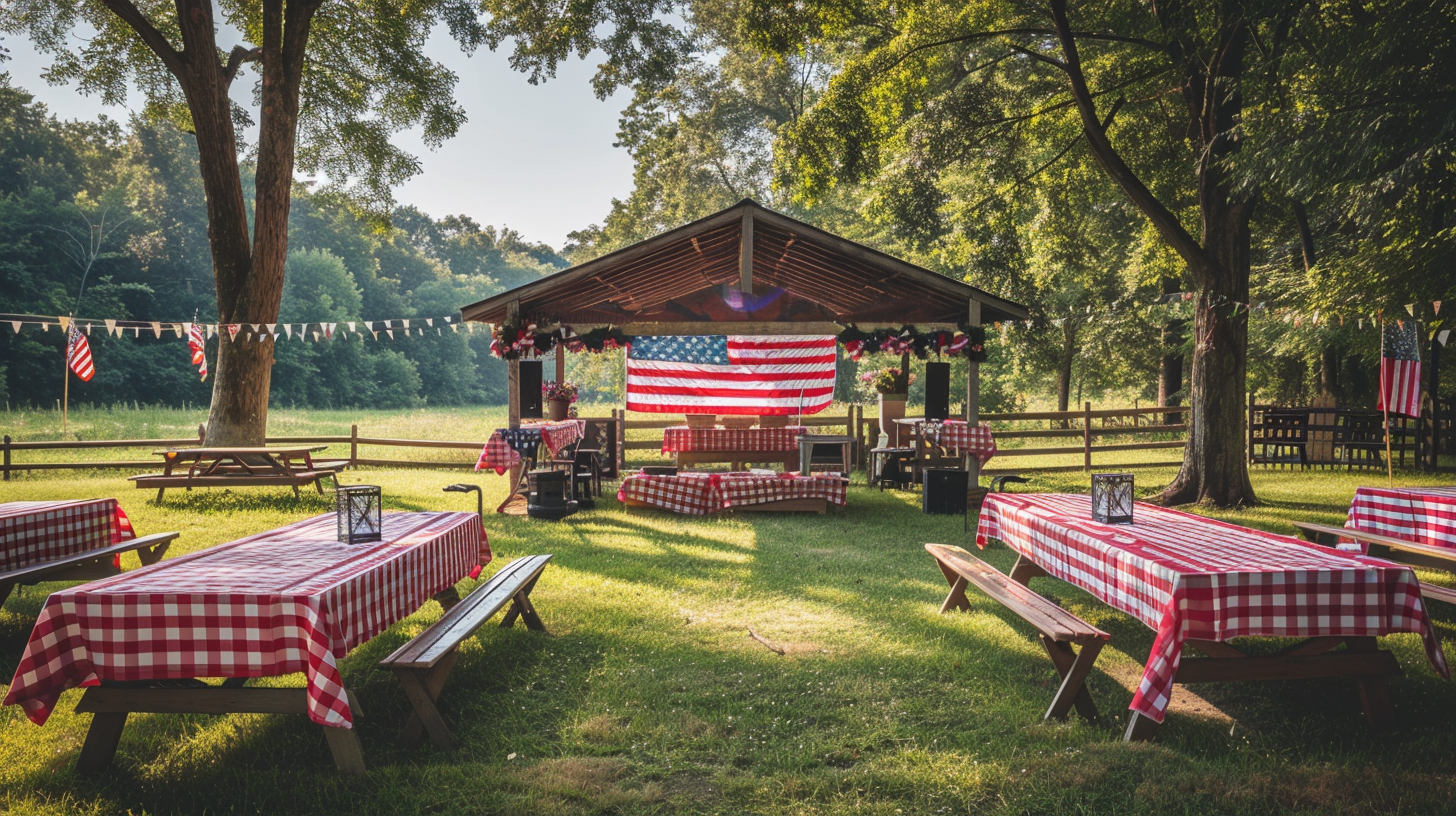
(769, 375)
(197, 343)
(78, 354)
(1400, 368)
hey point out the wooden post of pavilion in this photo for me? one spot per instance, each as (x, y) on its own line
(513, 372)
(973, 395)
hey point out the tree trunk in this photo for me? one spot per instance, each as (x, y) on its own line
(1170, 363)
(1329, 375)
(1064, 367)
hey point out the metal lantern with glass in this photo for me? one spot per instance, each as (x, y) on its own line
(358, 509)
(1112, 498)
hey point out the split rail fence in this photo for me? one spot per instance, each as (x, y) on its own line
(1083, 436)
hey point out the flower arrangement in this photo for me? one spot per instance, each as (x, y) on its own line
(562, 391)
(889, 380)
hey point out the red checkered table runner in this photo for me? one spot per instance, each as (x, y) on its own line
(961, 435)
(1424, 515)
(682, 439)
(36, 532)
(288, 600)
(703, 493)
(499, 456)
(1190, 577)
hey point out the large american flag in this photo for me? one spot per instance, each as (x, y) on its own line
(78, 354)
(1400, 368)
(769, 375)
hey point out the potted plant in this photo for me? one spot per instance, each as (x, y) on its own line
(559, 396)
(893, 386)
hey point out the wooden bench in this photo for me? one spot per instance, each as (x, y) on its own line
(423, 664)
(1395, 549)
(86, 566)
(1058, 629)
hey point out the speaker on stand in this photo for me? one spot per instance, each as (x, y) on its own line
(530, 393)
(937, 390)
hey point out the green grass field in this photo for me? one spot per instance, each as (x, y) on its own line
(648, 696)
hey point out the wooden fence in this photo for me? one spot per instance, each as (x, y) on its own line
(1080, 432)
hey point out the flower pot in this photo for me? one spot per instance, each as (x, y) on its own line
(892, 407)
(556, 409)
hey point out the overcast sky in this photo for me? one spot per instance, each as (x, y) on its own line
(536, 158)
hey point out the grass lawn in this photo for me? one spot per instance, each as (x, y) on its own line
(648, 696)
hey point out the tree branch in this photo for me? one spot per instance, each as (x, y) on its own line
(1039, 57)
(240, 54)
(1163, 219)
(1040, 32)
(155, 40)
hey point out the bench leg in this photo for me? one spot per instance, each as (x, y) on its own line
(448, 597)
(5, 592)
(1024, 570)
(160, 491)
(521, 605)
(297, 495)
(1374, 692)
(344, 745)
(1074, 668)
(101, 740)
(151, 555)
(423, 689)
(957, 597)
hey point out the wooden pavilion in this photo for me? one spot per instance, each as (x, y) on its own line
(743, 270)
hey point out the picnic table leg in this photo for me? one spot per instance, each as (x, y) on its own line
(1374, 692)
(1140, 728)
(1024, 570)
(344, 745)
(5, 590)
(423, 689)
(102, 738)
(447, 597)
(1074, 668)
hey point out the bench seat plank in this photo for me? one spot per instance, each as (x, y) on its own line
(1409, 552)
(151, 548)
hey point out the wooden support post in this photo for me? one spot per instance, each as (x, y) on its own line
(1086, 436)
(973, 396)
(1251, 427)
(745, 254)
(560, 363)
(353, 445)
(513, 373)
(7, 457)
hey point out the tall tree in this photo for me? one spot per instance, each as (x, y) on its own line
(345, 75)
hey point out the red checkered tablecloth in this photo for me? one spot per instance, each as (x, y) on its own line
(288, 600)
(682, 439)
(36, 532)
(699, 494)
(695, 494)
(500, 456)
(1189, 577)
(747, 489)
(961, 435)
(1424, 515)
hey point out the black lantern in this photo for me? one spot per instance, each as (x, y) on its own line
(358, 509)
(1112, 498)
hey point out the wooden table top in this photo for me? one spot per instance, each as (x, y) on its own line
(215, 452)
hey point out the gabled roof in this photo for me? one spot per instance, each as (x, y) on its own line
(797, 273)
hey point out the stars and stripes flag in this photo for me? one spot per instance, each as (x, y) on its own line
(770, 375)
(1400, 368)
(197, 342)
(78, 354)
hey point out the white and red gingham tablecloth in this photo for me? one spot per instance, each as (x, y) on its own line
(288, 600)
(963, 436)
(36, 532)
(1423, 515)
(1189, 577)
(503, 450)
(703, 493)
(682, 439)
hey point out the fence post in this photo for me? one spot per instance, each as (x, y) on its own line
(1251, 428)
(354, 445)
(7, 457)
(1086, 436)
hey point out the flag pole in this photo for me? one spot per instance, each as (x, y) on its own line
(1385, 403)
(66, 377)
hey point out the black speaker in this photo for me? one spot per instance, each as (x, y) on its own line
(937, 390)
(530, 394)
(945, 492)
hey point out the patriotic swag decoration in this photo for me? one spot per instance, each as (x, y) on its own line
(770, 375)
(1400, 368)
(197, 342)
(78, 354)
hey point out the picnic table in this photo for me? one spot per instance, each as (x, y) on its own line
(1200, 582)
(516, 449)
(700, 494)
(1421, 515)
(737, 446)
(239, 467)
(68, 540)
(949, 442)
(288, 600)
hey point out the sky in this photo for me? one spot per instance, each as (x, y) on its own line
(536, 158)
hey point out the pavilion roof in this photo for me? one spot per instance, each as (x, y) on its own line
(748, 265)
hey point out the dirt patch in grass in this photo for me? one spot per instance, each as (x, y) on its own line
(587, 784)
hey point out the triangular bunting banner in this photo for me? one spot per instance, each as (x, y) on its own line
(233, 331)
(157, 329)
(111, 327)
